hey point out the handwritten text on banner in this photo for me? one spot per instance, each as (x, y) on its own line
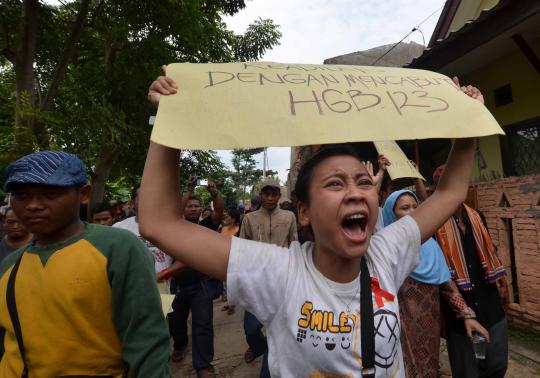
(240, 105)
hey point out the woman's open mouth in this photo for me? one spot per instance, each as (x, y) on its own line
(354, 226)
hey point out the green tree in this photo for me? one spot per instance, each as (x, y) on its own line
(245, 175)
(81, 71)
(244, 163)
(208, 166)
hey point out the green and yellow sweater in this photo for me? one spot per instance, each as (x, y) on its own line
(88, 307)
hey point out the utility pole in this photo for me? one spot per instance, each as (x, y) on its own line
(265, 159)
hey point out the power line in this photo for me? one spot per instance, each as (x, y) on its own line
(417, 27)
(393, 47)
(423, 38)
(431, 15)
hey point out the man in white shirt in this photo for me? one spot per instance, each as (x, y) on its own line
(161, 259)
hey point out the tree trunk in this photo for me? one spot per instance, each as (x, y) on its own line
(64, 60)
(24, 74)
(109, 152)
(39, 127)
(107, 156)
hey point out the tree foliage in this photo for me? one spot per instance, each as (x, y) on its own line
(98, 108)
(245, 175)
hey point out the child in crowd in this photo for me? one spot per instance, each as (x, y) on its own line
(329, 306)
(81, 299)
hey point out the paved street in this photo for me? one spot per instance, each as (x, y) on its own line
(230, 346)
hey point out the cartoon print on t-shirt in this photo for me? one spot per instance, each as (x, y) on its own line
(332, 330)
(301, 335)
(345, 342)
(315, 340)
(330, 344)
(386, 332)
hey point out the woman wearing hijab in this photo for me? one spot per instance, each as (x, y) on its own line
(419, 297)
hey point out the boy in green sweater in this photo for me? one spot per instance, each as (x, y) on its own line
(83, 296)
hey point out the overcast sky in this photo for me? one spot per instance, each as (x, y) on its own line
(313, 30)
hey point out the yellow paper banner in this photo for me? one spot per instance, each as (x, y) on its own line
(166, 303)
(400, 166)
(162, 287)
(242, 105)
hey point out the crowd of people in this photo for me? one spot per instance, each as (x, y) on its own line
(345, 279)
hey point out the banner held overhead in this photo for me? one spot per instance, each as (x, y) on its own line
(244, 105)
(400, 166)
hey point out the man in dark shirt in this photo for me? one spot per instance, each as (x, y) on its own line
(195, 292)
(487, 298)
(481, 279)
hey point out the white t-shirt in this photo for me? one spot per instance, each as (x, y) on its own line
(380, 221)
(310, 333)
(161, 259)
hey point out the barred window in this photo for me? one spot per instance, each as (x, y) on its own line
(522, 155)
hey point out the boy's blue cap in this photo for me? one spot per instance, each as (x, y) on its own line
(55, 168)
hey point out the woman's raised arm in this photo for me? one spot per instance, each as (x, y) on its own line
(160, 218)
(161, 222)
(451, 191)
(452, 188)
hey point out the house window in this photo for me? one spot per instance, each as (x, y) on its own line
(521, 149)
(503, 95)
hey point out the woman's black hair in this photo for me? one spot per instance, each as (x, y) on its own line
(305, 174)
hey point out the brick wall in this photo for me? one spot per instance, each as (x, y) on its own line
(512, 210)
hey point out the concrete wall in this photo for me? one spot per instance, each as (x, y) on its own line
(512, 210)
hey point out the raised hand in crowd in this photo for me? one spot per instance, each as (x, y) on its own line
(384, 163)
(469, 90)
(369, 168)
(162, 85)
(383, 166)
(212, 188)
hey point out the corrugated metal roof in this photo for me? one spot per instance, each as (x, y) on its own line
(468, 27)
